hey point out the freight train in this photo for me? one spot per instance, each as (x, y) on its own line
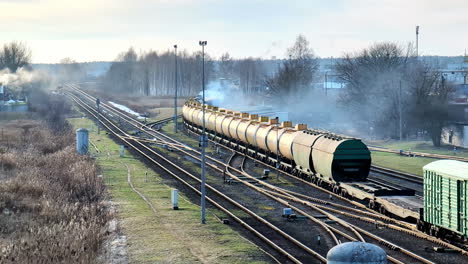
(336, 162)
(342, 164)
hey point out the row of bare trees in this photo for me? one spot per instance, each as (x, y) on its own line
(248, 73)
(388, 88)
(153, 73)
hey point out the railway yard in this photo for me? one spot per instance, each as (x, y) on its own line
(251, 193)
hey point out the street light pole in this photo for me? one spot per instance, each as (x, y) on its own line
(277, 149)
(401, 121)
(417, 40)
(175, 94)
(203, 139)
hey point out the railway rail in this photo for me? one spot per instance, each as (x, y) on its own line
(396, 179)
(287, 195)
(398, 174)
(144, 150)
(408, 228)
(338, 231)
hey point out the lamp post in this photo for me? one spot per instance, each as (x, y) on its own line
(175, 93)
(417, 40)
(400, 114)
(277, 149)
(203, 139)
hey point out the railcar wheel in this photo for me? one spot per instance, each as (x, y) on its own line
(336, 189)
(344, 193)
(382, 210)
(319, 182)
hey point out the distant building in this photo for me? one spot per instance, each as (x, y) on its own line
(456, 133)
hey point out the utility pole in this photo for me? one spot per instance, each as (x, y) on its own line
(401, 121)
(417, 41)
(203, 139)
(175, 94)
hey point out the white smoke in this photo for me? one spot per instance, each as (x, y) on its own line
(21, 76)
(225, 94)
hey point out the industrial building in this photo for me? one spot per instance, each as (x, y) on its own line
(456, 133)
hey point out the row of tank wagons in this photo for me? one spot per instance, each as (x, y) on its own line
(445, 210)
(335, 158)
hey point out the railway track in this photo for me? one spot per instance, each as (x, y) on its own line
(396, 179)
(406, 229)
(258, 227)
(286, 195)
(398, 174)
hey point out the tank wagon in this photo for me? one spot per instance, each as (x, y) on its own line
(336, 162)
(329, 157)
(445, 212)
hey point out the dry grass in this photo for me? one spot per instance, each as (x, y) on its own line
(52, 207)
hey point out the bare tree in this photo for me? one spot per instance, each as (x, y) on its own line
(386, 82)
(226, 66)
(430, 93)
(374, 76)
(14, 55)
(250, 73)
(296, 73)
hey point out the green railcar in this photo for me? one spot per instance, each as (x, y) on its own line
(446, 197)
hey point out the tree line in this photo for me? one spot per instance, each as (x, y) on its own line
(388, 90)
(153, 73)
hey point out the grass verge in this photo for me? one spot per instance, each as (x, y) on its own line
(412, 165)
(422, 146)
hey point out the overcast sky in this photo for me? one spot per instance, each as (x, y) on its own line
(92, 30)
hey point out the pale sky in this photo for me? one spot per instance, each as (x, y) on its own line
(92, 30)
